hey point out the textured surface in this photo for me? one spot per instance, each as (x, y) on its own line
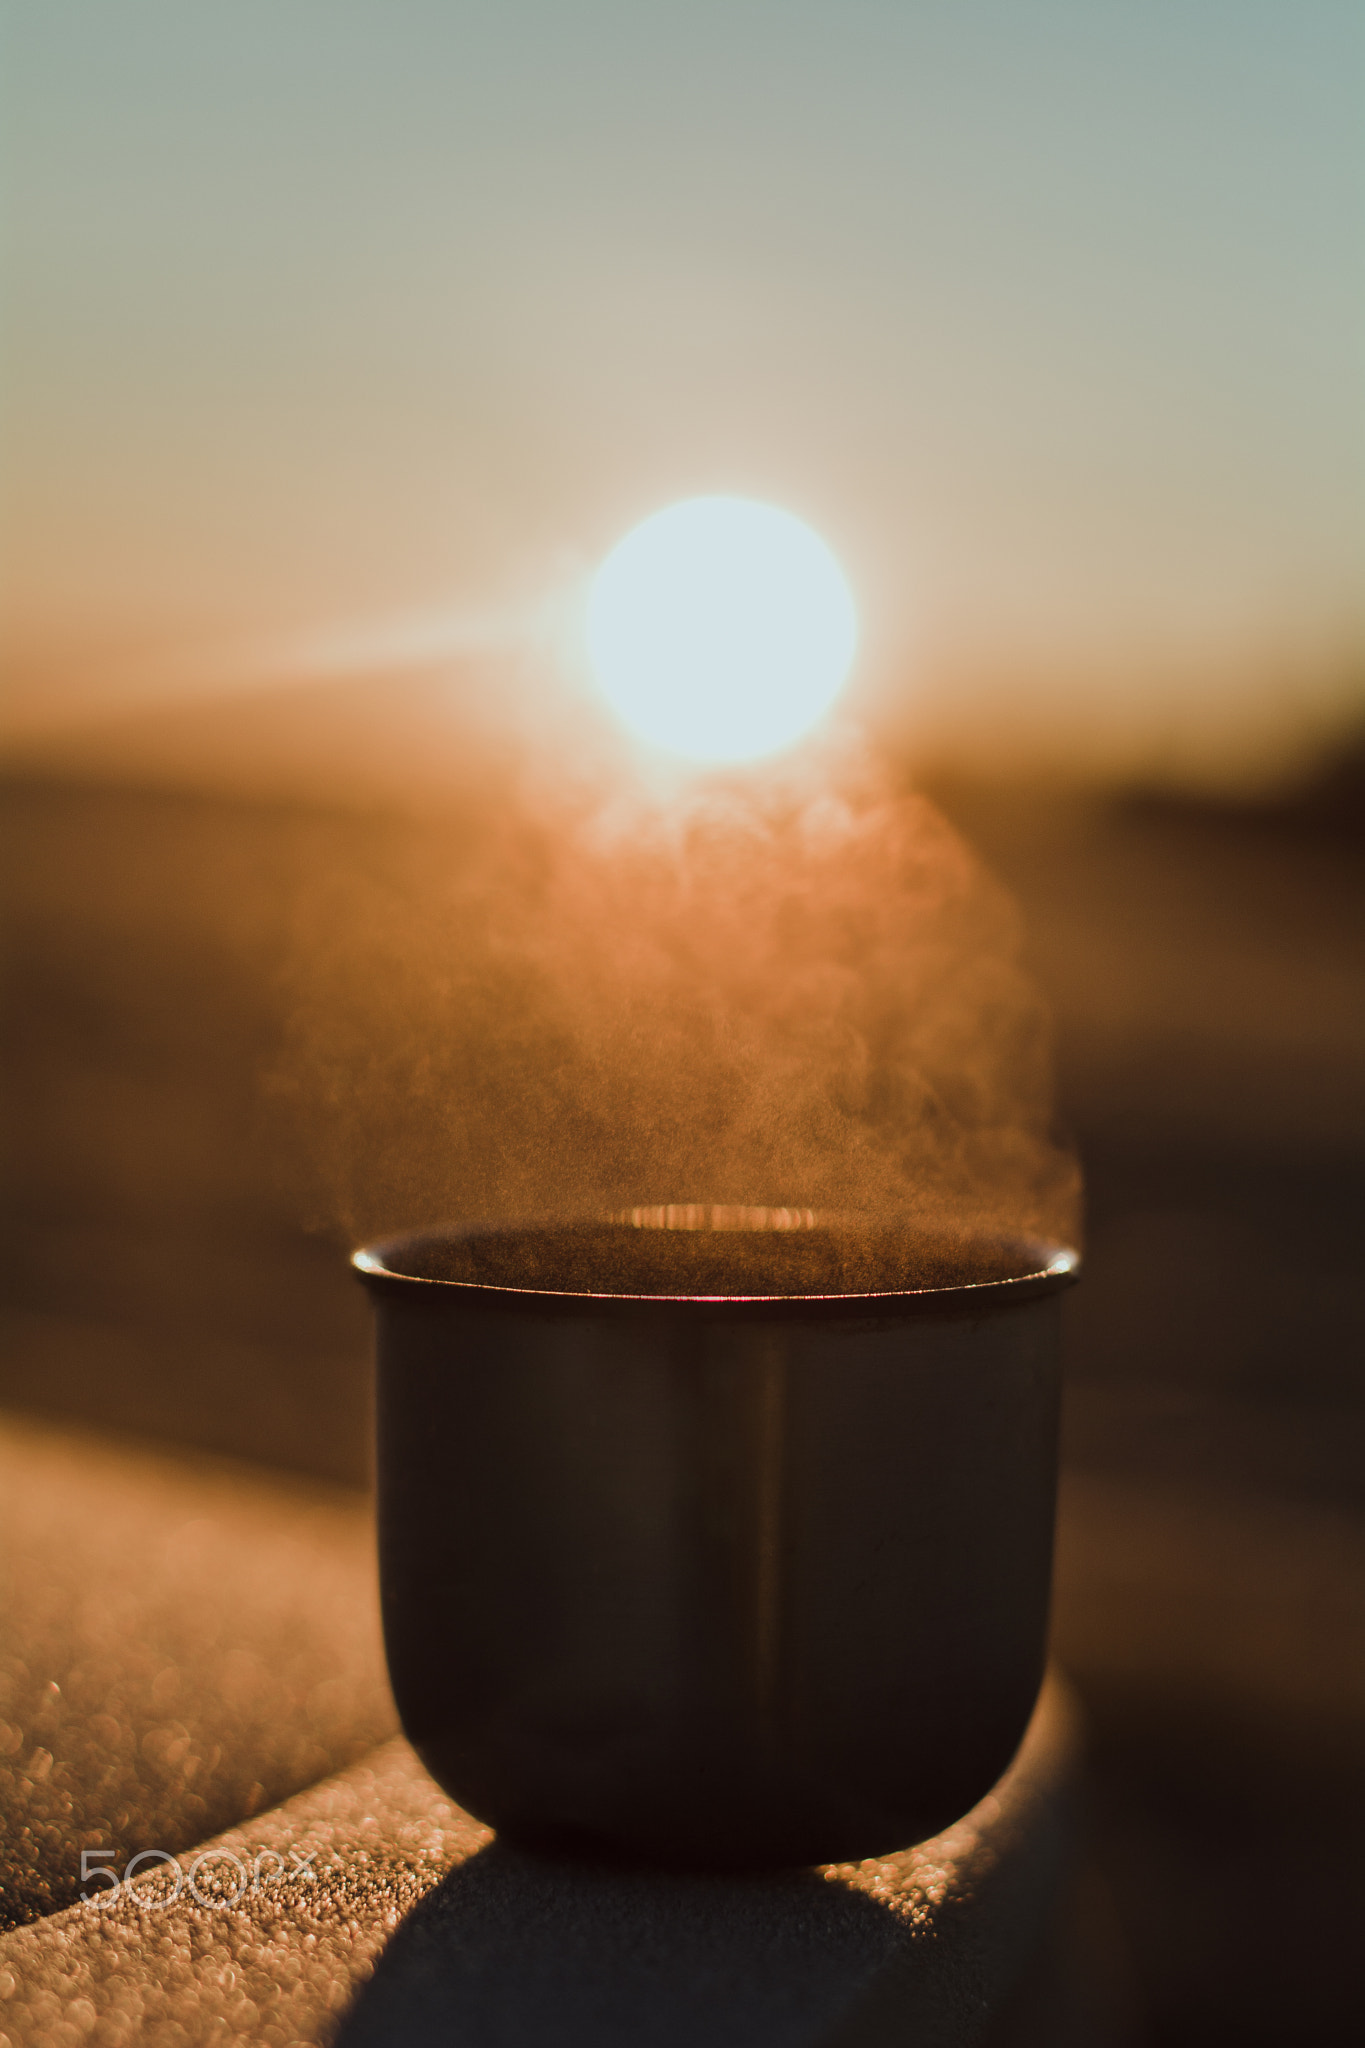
(185, 1643)
(194, 1641)
(277, 1969)
(492, 1948)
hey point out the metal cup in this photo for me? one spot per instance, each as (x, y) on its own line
(715, 1536)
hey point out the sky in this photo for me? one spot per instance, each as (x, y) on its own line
(354, 331)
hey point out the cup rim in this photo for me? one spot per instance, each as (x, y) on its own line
(1047, 1267)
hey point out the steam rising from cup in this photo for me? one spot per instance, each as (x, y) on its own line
(721, 630)
(563, 985)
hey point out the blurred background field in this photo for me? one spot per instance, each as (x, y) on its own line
(165, 1188)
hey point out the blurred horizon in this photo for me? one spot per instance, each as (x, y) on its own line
(344, 340)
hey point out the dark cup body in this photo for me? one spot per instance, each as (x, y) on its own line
(717, 1582)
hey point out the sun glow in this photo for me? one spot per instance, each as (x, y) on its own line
(721, 629)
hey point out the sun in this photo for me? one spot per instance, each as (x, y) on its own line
(721, 629)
